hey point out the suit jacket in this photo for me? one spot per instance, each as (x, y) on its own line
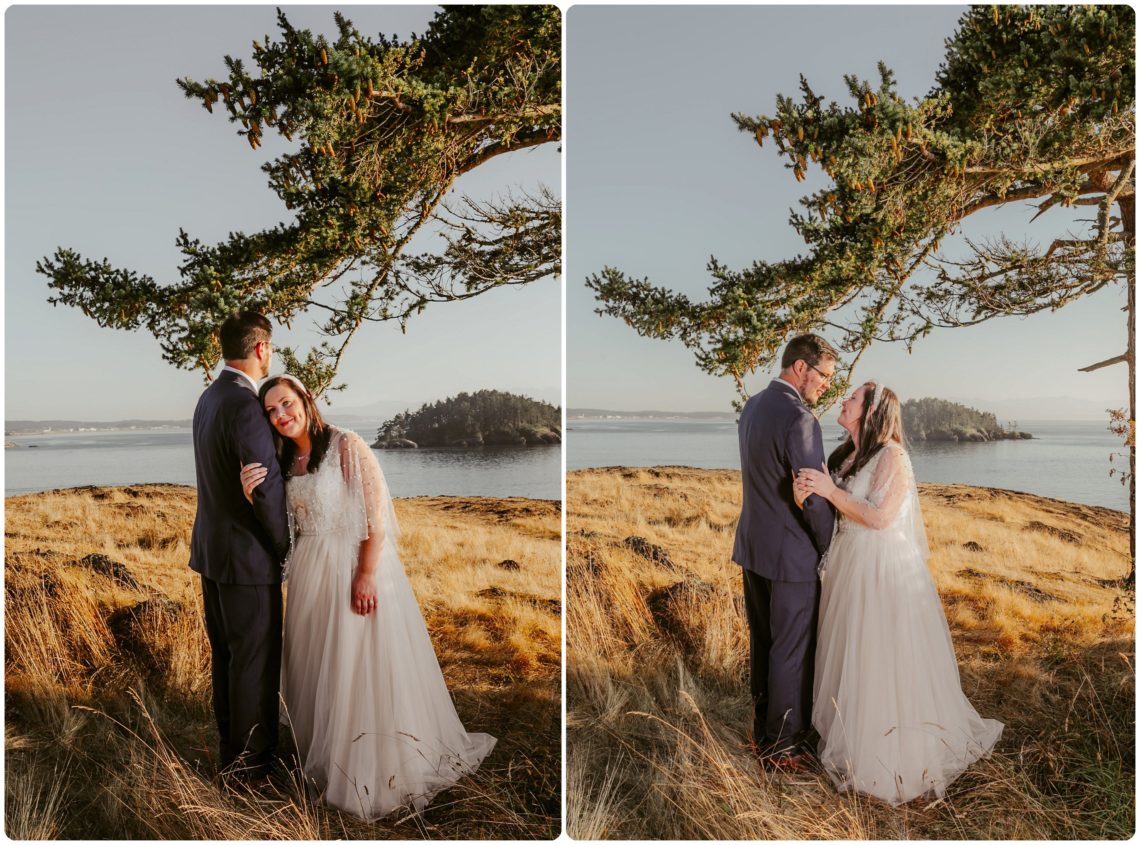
(774, 538)
(235, 542)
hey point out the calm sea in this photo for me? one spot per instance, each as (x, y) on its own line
(74, 459)
(1065, 460)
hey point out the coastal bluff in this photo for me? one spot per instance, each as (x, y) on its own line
(657, 661)
(108, 671)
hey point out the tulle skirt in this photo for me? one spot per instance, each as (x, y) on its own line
(373, 720)
(888, 704)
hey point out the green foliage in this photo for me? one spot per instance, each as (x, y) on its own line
(1031, 103)
(486, 417)
(383, 129)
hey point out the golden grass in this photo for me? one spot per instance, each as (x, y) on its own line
(657, 701)
(110, 733)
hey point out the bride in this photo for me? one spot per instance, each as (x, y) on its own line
(374, 723)
(888, 705)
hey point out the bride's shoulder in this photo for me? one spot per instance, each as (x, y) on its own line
(893, 453)
(351, 446)
(346, 441)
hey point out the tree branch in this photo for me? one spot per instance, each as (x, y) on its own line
(534, 138)
(1102, 218)
(1119, 359)
(1091, 162)
(521, 115)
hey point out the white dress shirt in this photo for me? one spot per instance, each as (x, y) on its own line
(251, 382)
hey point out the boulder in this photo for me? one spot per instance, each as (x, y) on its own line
(642, 547)
(112, 569)
(674, 610)
(132, 626)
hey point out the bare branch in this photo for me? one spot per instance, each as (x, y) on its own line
(1102, 218)
(1119, 359)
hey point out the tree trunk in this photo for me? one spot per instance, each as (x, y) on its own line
(1128, 219)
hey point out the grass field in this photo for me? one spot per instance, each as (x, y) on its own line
(657, 701)
(109, 732)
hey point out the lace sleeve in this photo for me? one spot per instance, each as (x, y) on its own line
(373, 517)
(892, 481)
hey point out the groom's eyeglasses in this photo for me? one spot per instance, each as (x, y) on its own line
(826, 376)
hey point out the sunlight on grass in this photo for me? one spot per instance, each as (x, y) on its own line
(110, 731)
(657, 708)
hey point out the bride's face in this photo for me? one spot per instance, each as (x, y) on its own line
(285, 410)
(851, 411)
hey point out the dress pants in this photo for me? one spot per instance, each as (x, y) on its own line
(243, 624)
(782, 619)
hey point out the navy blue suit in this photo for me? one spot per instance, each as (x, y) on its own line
(238, 548)
(778, 546)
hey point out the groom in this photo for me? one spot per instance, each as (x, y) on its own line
(778, 547)
(237, 547)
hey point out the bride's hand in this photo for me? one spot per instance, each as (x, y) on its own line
(800, 491)
(814, 481)
(363, 593)
(251, 476)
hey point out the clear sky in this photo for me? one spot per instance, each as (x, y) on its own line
(659, 178)
(105, 155)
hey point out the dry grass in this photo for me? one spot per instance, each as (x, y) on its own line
(109, 728)
(657, 707)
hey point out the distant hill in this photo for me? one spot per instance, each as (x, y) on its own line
(939, 419)
(483, 418)
(1046, 407)
(600, 413)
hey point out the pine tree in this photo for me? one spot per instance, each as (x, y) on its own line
(382, 129)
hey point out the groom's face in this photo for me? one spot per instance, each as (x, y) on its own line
(817, 379)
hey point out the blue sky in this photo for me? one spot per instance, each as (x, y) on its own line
(659, 178)
(105, 155)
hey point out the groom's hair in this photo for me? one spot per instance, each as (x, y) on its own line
(241, 332)
(810, 348)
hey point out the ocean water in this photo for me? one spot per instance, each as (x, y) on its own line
(1065, 460)
(74, 459)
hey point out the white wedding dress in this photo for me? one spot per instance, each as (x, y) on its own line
(888, 705)
(374, 723)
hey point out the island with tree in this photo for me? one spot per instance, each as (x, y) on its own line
(482, 418)
(939, 419)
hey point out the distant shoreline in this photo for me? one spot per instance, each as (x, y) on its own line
(924, 487)
(30, 428)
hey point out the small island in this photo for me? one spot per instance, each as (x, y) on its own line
(483, 418)
(939, 419)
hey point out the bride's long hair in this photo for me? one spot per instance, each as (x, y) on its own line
(879, 425)
(319, 431)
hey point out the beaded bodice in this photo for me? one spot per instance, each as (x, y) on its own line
(331, 498)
